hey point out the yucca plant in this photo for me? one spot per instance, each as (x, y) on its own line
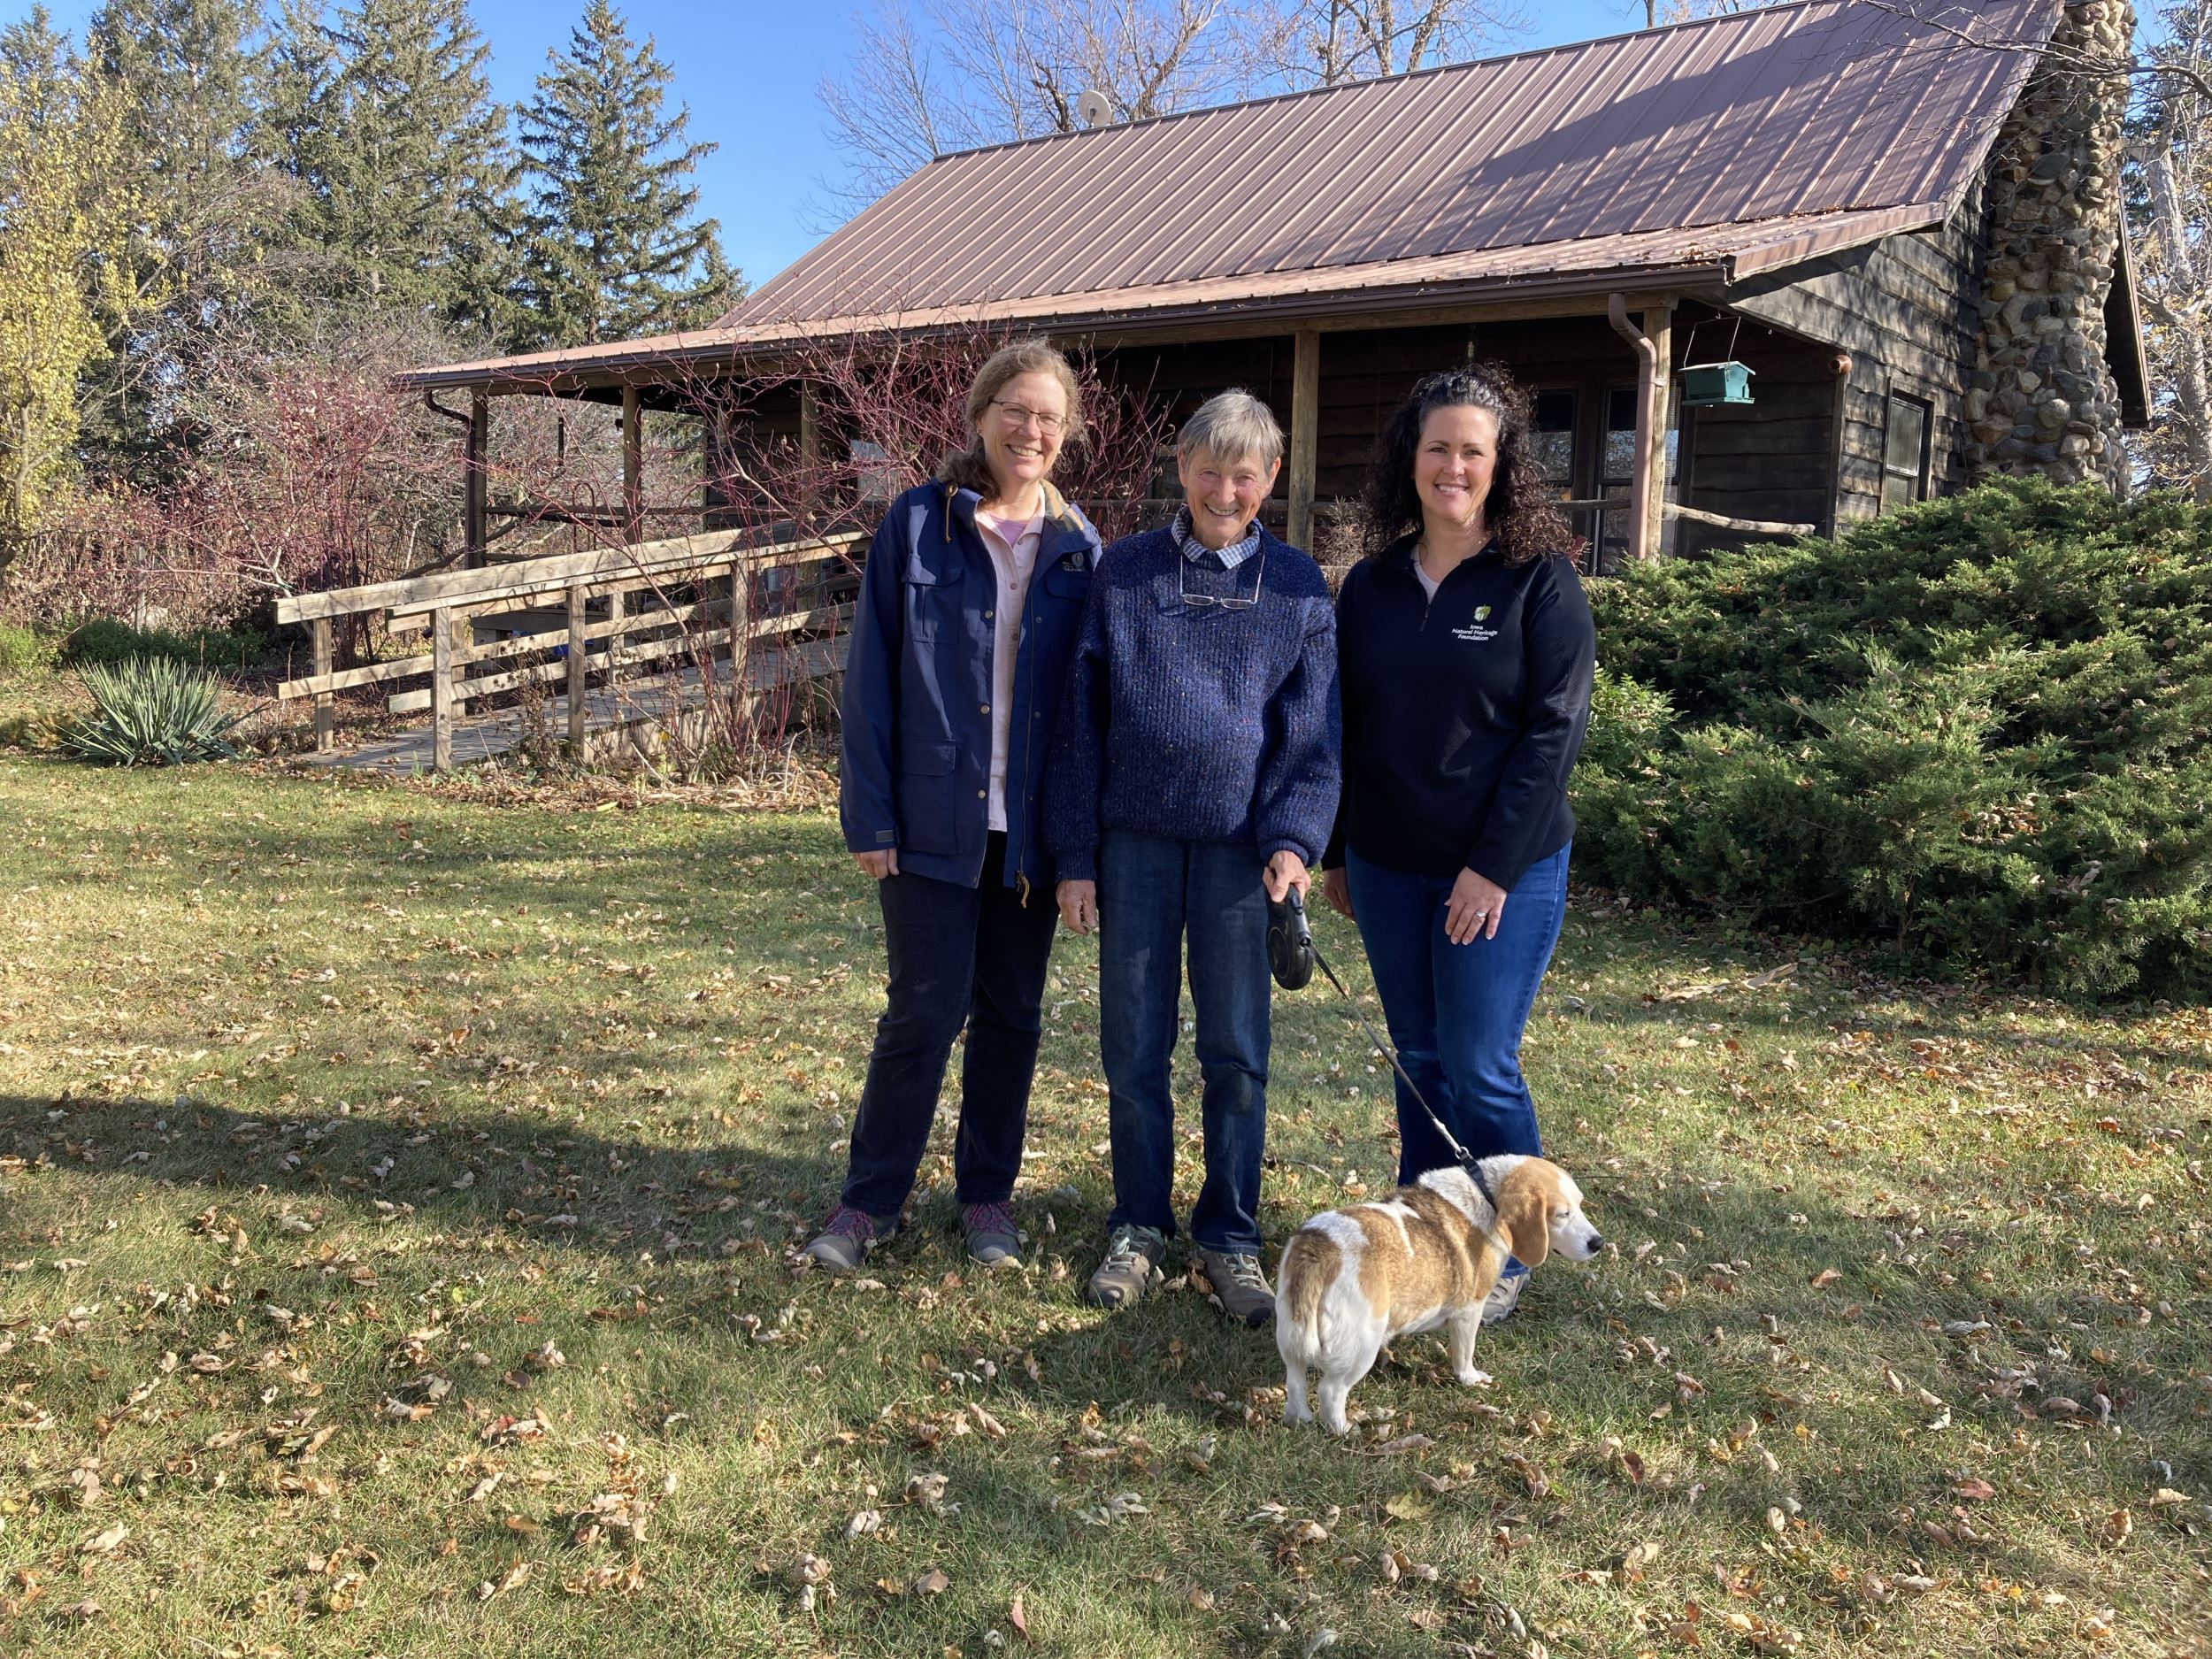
(152, 711)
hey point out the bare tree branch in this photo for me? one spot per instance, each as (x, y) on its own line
(929, 77)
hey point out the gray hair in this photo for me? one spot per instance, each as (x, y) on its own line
(1233, 426)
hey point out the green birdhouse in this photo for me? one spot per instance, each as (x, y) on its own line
(1707, 384)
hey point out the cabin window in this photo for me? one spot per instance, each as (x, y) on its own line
(1616, 476)
(880, 480)
(1554, 435)
(1905, 453)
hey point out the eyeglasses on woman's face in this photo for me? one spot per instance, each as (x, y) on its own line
(1020, 417)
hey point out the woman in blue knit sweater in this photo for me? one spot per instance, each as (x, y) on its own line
(1194, 777)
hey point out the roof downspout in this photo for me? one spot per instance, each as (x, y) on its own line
(1640, 515)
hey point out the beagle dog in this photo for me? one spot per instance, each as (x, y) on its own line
(1351, 1279)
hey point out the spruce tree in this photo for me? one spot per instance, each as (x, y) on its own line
(614, 248)
(210, 212)
(395, 132)
(32, 46)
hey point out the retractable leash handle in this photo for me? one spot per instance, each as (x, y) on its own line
(1289, 942)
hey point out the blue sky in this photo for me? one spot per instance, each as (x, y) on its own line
(747, 70)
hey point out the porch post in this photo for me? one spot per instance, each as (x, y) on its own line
(1651, 423)
(809, 444)
(1305, 437)
(632, 467)
(1643, 507)
(475, 530)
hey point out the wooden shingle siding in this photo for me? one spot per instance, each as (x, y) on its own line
(1770, 461)
(1906, 309)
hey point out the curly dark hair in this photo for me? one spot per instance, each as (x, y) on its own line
(1524, 519)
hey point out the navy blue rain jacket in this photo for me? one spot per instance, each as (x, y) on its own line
(917, 745)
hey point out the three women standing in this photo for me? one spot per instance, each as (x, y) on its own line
(962, 636)
(1466, 655)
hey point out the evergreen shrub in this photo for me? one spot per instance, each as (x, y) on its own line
(24, 650)
(1978, 732)
(105, 642)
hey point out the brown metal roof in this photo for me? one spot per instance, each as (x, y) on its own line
(1715, 149)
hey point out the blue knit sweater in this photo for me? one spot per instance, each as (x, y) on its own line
(1202, 725)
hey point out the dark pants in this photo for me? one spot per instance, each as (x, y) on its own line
(1151, 892)
(1456, 1012)
(973, 955)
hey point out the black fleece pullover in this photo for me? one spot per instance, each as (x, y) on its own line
(1462, 714)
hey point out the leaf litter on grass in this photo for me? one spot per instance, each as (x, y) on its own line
(671, 1122)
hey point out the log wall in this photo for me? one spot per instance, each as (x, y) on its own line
(1905, 310)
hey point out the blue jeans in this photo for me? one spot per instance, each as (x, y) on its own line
(958, 956)
(1151, 892)
(1456, 1012)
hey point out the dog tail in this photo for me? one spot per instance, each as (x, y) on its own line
(1303, 1278)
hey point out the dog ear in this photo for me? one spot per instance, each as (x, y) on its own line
(1525, 1212)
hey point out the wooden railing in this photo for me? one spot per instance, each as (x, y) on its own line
(578, 618)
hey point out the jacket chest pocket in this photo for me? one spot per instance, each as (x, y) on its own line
(931, 593)
(1069, 586)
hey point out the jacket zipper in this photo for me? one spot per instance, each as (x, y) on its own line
(1029, 601)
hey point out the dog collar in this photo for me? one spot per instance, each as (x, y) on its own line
(1482, 1185)
(1489, 1197)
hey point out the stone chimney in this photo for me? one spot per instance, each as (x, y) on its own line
(2042, 399)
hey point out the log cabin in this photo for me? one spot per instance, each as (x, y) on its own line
(1768, 273)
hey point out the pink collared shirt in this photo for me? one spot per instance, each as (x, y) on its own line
(1013, 547)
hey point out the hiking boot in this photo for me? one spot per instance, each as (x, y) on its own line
(847, 1238)
(1240, 1286)
(1131, 1267)
(992, 1237)
(1504, 1296)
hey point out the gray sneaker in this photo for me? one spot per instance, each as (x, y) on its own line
(847, 1237)
(1131, 1267)
(1504, 1297)
(992, 1237)
(1240, 1286)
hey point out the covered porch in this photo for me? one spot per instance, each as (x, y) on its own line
(1642, 472)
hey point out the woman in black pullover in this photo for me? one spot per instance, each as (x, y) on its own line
(1465, 656)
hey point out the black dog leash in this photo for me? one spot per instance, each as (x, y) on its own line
(1292, 956)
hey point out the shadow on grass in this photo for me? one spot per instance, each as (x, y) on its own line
(1669, 1355)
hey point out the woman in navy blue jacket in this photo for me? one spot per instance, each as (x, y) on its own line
(962, 636)
(1466, 657)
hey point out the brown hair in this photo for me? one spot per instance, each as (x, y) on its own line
(969, 468)
(1524, 519)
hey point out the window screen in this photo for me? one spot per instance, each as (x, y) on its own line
(1905, 453)
(1555, 440)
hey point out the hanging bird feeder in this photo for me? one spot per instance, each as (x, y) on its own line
(1715, 385)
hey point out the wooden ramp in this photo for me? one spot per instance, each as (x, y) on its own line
(632, 712)
(624, 634)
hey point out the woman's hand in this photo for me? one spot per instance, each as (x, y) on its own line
(1285, 870)
(879, 865)
(1079, 905)
(1476, 904)
(1337, 889)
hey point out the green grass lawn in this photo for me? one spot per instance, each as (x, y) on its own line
(396, 1201)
